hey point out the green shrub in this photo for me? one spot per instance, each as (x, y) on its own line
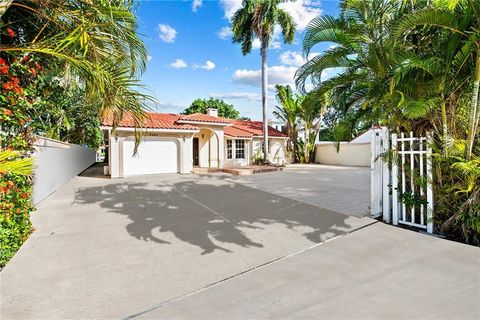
(15, 208)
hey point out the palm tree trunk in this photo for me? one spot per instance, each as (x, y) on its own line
(474, 116)
(264, 98)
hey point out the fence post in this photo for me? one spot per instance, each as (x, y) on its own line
(386, 175)
(430, 205)
(394, 179)
(375, 175)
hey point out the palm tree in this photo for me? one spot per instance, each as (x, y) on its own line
(257, 19)
(13, 162)
(310, 114)
(288, 111)
(95, 42)
(462, 19)
(363, 52)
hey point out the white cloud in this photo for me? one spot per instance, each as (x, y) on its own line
(196, 4)
(166, 33)
(237, 96)
(208, 65)
(178, 64)
(230, 7)
(225, 33)
(302, 11)
(295, 58)
(276, 75)
(292, 58)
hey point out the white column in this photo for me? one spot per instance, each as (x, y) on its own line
(115, 157)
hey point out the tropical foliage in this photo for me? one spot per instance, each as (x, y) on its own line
(225, 110)
(410, 65)
(299, 113)
(257, 20)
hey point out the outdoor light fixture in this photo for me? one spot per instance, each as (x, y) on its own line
(116, 138)
(183, 138)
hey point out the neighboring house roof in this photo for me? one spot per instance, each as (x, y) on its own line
(256, 128)
(235, 128)
(200, 117)
(153, 121)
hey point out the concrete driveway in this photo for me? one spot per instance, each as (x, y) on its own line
(111, 248)
(214, 246)
(341, 189)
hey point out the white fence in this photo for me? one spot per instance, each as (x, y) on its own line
(401, 175)
(56, 163)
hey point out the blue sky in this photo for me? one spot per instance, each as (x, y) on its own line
(191, 54)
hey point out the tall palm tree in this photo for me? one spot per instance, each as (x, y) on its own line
(288, 110)
(257, 19)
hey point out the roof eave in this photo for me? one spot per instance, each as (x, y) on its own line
(150, 129)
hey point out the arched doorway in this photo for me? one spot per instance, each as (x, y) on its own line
(206, 149)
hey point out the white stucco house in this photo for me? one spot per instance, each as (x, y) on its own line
(175, 143)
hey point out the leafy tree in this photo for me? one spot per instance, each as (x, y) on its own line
(257, 19)
(225, 110)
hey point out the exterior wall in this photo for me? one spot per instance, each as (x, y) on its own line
(276, 149)
(56, 163)
(231, 163)
(350, 154)
(115, 150)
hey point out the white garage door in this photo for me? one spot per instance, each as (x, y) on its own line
(153, 156)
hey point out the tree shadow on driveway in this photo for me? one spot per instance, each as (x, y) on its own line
(206, 210)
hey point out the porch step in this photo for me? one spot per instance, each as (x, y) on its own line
(198, 170)
(251, 170)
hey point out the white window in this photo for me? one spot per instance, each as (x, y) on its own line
(239, 149)
(229, 149)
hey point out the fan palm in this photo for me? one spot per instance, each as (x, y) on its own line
(257, 19)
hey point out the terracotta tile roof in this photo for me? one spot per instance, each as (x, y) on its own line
(200, 117)
(239, 128)
(237, 132)
(256, 128)
(154, 121)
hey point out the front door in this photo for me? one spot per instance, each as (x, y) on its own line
(195, 152)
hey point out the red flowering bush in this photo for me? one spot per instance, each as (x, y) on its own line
(15, 208)
(17, 80)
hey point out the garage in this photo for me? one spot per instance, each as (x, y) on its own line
(155, 155)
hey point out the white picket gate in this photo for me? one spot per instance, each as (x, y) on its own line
(402, 192)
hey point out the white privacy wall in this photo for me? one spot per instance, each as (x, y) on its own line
(350, 154)
(56, 163)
